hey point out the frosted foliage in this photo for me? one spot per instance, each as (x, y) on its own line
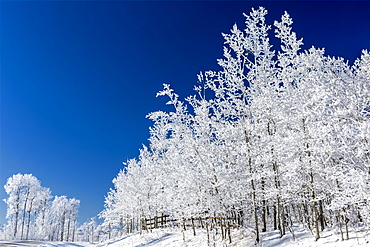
(32, 214)
(281, 131)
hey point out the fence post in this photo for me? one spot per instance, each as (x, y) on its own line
(183, 231)
(208, 242)
(192, 223)
(200, 221)
(162, 222)
(222, 229)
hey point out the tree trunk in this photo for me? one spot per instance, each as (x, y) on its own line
(62, 228)
(255, 211)
(254, 203)
(306, 215)
(300, 213)
(28, 223)
(43, 214)
(253, 190)
(283, 219)
(109, 231)
(313, 197)
(16, 214)
(340, 226)
(315, 211)
(275, 217)
(74, 230)
(279, 217)
(68, 226)
(316, 220)
(16, 223)
(322, 217)
(346, 220)
(29, 218)
(229, 232)
(121, 226)
(264, 226)
(24, 212)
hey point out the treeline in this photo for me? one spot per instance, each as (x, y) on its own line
(281, 136)
(33, 213)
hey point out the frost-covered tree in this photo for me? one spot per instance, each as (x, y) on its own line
(89, 231)
(281, 136)
(40, 214)
(23, 195)
(61, 217)
(33, 215)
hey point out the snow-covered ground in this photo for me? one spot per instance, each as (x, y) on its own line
(240, 238)
(32, 243)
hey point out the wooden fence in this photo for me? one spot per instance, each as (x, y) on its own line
(232, 219)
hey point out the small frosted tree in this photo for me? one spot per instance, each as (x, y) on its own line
(22, 191)
(31, 213)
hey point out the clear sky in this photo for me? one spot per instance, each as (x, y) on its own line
(79, 77)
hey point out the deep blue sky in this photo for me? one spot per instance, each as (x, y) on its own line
(79, 77)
